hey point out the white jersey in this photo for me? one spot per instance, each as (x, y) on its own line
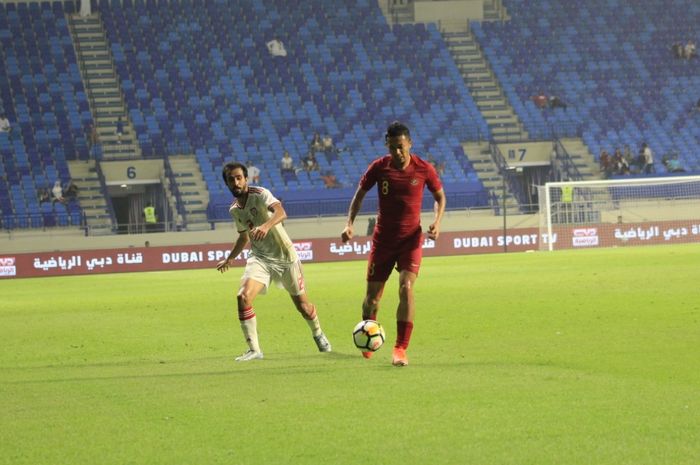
(277, 247)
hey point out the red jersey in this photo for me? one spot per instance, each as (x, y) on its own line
(400, 195)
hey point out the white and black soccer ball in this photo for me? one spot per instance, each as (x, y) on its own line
(368, 335)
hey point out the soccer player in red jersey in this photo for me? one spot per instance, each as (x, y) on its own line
(397, 241)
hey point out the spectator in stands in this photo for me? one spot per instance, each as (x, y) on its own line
(57, 192)
(287, 164)
(606, 164)
(540, 100)
(330, 181)
(648, 159)
(330, 149)
(440, 168)
(316, 143)
(438, 165)
(309, 163)
(672, 163)
(120, 130)
(253, 172)
(85, 8)
(556, 102)
(689, 50)
(621, 165)
(44, 195)
(276, 48)
(696, 107)
(93, 139)
(430, 159)
(5, 125)
(677, 50)
(327, 145)
(70, 191)
(371, 223)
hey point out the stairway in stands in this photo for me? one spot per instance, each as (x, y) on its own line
(479, 155)
(494, 10)
(582, 157)
(192, 189)
(102, 86)
(90, 195)
(484, 87)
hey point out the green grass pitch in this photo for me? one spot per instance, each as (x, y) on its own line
(571, 357)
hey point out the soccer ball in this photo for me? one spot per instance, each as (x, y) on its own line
(368, 335)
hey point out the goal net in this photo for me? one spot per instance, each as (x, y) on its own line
(620, 212)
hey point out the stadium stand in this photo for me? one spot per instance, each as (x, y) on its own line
(611, 62)
(224, 96)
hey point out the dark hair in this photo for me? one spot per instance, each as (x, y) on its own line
(397, 129)
(228, 167)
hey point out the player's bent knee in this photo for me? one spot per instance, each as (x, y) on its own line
(244, 299)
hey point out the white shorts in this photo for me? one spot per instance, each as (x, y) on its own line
(287, 275)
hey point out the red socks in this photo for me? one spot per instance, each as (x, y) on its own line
(403, 334)
(246, 313)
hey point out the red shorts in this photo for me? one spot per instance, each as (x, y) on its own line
(405, 253)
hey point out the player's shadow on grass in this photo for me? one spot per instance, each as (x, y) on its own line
(330, 355)
(280, 363)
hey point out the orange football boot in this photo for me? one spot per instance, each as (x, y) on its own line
(399, 358)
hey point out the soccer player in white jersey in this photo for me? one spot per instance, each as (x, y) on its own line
(258, 216)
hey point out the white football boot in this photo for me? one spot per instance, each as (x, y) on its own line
(250, 355)
(322, 343)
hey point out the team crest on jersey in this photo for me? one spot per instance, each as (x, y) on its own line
(414, 181)
(254, 211)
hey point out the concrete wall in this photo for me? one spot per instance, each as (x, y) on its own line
(450, 14)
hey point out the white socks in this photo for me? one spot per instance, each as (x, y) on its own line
(314, 325)
(250, 332)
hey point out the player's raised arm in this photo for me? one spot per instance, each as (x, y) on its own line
(238, 247)
(439, 209)
(355, 206)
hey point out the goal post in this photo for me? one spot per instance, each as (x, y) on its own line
(619, 212)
